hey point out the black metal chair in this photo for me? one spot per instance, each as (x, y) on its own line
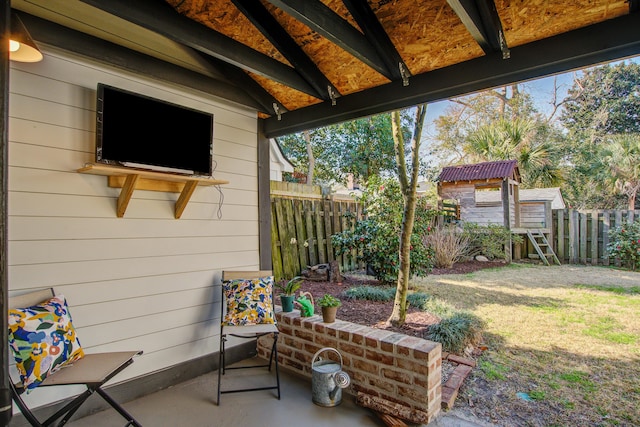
(246, 332)
(92, 371)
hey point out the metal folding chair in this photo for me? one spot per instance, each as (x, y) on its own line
(92, 371)
(246, 332)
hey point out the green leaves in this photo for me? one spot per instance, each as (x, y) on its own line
(624, 243)
(376, 239)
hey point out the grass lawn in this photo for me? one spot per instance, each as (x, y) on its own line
(563, 344)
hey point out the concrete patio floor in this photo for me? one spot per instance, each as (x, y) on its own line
(192, 404)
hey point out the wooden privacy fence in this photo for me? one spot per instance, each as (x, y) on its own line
(303, 218)
(582, 236)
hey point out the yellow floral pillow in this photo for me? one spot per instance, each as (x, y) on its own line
(42, 339)
(249, 301)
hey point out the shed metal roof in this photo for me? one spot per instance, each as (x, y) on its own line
(481, 171)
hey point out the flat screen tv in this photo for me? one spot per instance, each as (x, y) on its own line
(134, 130)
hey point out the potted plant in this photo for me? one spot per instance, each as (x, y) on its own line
(329, 306)
(289, 293)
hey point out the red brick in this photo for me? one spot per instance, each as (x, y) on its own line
(385, 386)
(354, 350)
(325, 341)
(410, 342)
(426, 350)
(434, 379)
(366, 366)
(373, 338)
(380, 357)
(311, 348)
(285, 330)
(307, 336)
(457, 376)
(357, 339)
(461, 360)
(448, 397)
(320, 328)
(399, 376)
(390, 342)
(412, 366)
(403, 351)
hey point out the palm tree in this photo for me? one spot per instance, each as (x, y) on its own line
(516, 139)
(622, 156)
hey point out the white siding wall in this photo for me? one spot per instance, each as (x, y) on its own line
(146, 281)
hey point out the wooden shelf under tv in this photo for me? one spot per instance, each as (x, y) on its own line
(130, 179)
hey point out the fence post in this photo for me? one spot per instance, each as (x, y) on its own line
(322, 243)
(328, 229)
(595, 241)
(573, 236)
(276, 253)
(301, 234)
(560, 233)
(605, 237)
(583, 237)
(617, 224)
(311, 238)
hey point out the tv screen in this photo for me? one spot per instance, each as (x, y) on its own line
(138, 131)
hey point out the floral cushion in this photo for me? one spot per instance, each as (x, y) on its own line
(249, 301)
(42, 339)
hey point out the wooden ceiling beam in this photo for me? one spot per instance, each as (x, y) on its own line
(49, 33)
(281, 40)
(606, 41)
(378, 37)
(160, 17)
(269, 104)
(333, 27)
(483, 23)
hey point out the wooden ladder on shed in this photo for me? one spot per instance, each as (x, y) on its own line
(539, 241)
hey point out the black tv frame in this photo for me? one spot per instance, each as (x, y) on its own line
(138, 131)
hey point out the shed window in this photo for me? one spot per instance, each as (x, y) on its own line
(488, 196)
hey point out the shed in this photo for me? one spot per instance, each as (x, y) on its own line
(533, 204)
(487, 193)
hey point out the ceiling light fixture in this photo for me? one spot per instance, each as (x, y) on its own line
(22, 48)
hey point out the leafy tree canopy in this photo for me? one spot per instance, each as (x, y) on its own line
(603, 106)
(501, 124)
(362, 147)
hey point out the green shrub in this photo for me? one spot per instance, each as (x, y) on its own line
(488, 240)
(418, 300)
(371, 293)
(449, 244)
(376, 238)
(456, 332)
(624, 243)
(385, 294)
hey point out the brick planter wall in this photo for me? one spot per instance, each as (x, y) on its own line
(384, 366)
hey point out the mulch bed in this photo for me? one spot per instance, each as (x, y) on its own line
(375, 314)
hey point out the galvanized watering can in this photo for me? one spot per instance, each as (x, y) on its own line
(327, 379)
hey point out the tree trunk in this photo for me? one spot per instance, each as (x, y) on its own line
(312, 160)
(408, 188)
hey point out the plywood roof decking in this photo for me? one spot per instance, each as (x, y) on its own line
(447, 46)
(427, 34)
